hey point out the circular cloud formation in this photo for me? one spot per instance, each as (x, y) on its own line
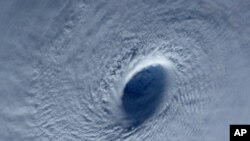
(92, 69)
(128, 70)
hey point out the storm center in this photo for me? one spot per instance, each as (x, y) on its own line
(143, 92)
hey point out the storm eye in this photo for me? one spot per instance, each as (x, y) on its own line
(143, 92)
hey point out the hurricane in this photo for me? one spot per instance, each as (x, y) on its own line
(123, 70)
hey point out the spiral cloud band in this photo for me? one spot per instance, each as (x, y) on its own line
(128, 70)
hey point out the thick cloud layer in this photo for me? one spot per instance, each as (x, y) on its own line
(66, 66)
